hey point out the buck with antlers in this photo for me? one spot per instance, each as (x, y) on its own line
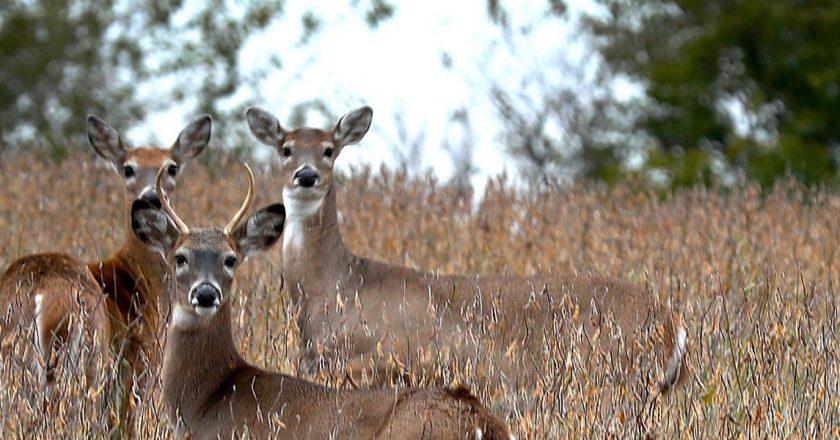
(211, 392)
(112, 305)
(369, 307)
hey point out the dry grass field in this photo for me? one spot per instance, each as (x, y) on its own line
(755, 273)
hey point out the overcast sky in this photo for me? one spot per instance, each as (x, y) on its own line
(398, 69)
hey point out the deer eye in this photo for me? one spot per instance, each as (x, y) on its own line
(172, 170)
(328, 152)
(128, 171)
(230, 262)
(180, 260)
(286, 151)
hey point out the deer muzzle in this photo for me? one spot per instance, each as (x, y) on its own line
(151, 196)
(205, 298)
(306, 177)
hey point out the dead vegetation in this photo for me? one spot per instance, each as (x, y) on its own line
(755, 274)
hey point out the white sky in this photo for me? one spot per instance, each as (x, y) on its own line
(397, 69)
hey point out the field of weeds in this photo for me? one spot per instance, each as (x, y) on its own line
(755, 274)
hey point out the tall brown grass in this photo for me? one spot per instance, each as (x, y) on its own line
(755, 274)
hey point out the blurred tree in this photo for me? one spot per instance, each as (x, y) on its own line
(55, 69)
(730, 87)
(62, 59)
(565, 124)
(722, 89)
(564, 135)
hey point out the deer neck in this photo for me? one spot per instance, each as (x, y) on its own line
(134, 279)
(199, 357)
(312, 244)
(148, 268)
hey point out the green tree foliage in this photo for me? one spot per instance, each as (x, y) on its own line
(62, 59)
(55, 69)
(574, 129)
(743, 87)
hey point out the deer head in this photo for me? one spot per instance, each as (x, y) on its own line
(203, 260)
(307, 155)
(139, 166)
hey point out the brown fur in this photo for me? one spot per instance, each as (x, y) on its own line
(125, 291)
(212, 392)
(133, 283)
(67, 291)
(367, 305)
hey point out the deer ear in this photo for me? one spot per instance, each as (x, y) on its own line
(265, 127)
(261, 230)
(152, 226)
(192, 139)
(105, 140)
(353, 126)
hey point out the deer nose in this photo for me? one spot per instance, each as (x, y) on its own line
(306, 177)
(152, 197)
(205, 296)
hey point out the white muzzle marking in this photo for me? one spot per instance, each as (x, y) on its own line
(217, 301)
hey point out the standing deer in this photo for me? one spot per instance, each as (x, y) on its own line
(211, 392)
(113, 305)
(365, 307)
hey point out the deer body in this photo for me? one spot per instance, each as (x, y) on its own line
(402, 307)
(53, 291)
(122, 295)
(212, 392)
(134, 283)
(362, 306)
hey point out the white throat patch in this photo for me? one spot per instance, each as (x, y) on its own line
(183, 317)
(298, 210)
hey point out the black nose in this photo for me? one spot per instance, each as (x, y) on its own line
(306, 177)
(151, 197)
(206, 295)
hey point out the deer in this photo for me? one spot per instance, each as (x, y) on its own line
(112, 307)
(211, 392)
(357, 308)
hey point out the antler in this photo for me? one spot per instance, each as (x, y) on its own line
(245, 205)
(164, 199)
